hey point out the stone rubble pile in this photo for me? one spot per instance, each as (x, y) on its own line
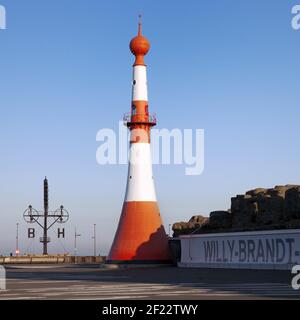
(258, 209)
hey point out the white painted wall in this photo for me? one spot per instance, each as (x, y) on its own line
(140, 183)
(139, 89)
(278, 249)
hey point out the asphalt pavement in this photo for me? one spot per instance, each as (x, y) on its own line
(91, 282)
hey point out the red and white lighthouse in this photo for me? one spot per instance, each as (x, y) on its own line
(140, 237)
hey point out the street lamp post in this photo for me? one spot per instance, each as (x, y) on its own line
(95, 241)
(76, 235)
(17, 241)
(170, 230)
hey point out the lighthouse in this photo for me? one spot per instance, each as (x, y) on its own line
(140, 236)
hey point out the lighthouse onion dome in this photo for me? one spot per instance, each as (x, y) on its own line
(139, 45)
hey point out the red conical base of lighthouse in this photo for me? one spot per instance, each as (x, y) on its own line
(140, 237)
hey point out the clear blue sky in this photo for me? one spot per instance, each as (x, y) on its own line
(230, 67)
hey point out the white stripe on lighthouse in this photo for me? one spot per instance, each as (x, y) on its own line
(140, 183)
(139, 86)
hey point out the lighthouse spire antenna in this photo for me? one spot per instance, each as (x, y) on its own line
(140, 25)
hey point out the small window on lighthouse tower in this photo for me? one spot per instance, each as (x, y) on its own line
(133, 110)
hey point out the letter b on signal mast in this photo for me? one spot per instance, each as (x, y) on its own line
(31, 233)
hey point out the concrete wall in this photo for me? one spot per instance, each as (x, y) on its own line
(278, 249)
(50, 259)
